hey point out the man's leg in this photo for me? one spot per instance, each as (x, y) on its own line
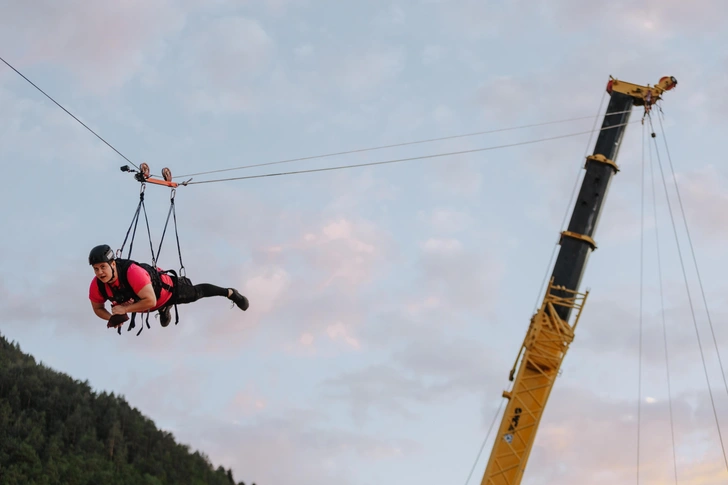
(206, 290)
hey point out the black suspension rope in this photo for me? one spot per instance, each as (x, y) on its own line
(172, 211)
(134, 223)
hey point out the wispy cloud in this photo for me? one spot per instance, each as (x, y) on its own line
(614, 425)
(102, 47)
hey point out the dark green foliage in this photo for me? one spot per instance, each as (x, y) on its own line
(56, 430)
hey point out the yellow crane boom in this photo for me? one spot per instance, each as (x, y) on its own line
(550, 332)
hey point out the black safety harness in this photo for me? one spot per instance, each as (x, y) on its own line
(124, 292)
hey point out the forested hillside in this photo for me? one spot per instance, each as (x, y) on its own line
(56, 430)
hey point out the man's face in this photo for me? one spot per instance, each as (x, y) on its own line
(104, 271)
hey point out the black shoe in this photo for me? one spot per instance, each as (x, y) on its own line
(164, 316)
(239, 299)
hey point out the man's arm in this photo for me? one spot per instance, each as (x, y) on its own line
(100, 310)
(147, 301)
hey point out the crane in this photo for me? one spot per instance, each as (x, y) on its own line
(550, 332)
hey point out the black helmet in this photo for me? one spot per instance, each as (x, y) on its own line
(101, 254)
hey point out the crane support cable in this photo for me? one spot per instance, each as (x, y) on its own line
(692, 251)
(664, 320)
(641, 316)
(395, 145)
(485, 440)
(398, 160)
(690, 299)
(69, 113)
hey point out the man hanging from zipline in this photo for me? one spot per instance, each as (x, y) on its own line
(134, 287)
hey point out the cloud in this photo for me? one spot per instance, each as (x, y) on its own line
(431, 54)
(446, 221)
(577, 420)
(346, 254)
(102, 45)
(174, 393)
(465, 278)
(699, 189)
(266, 286)
(338, 331)
(312, 451)
(37, 303)
(657, 20)
(280, 7)
(245, 403)
(429, 361)
(393, 16)
(57, 139)
(323, 268)
(303, 51)
(397, 391)
(476, 20)
(456, 176)
(224, 60)
(365, 71)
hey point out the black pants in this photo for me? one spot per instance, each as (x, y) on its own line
(186, 292)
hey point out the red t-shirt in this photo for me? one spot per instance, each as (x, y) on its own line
(138, 278)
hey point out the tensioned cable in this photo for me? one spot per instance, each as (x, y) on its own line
(398, 160)
(690, 301)
(664, 324)
(294, 159)
(641, 317)
(64, 109)
(692, 251)
(360, 150)
(482, 446)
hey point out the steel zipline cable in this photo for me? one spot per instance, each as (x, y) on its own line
(347, 152)
(69, 113)
(395, 145)
(399, 160)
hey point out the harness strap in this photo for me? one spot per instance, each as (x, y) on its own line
(157, 277)
(134, 222)
(174, 290)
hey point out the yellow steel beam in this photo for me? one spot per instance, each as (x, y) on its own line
(547, 340)
(642, 94)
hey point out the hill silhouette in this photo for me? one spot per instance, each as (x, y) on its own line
(57, 430)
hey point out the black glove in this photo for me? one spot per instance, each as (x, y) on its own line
(116, 320)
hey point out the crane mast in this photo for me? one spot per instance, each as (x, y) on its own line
(550, 333)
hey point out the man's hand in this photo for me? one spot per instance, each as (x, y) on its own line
(116, 320)
(119, 310)
(147, 301)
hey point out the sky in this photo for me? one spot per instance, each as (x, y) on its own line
(387, 302)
